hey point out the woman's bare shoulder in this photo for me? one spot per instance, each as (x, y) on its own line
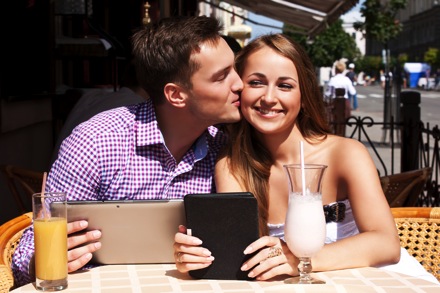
(344, 144)
(346, 150)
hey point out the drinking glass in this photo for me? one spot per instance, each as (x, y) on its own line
(50, 239)
(304, 230)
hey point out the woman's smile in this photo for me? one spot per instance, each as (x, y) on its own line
(268, 112)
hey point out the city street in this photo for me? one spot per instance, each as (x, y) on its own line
(370, 100)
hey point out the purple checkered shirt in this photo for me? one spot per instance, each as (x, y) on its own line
(121, 154)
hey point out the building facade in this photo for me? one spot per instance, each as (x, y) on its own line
(232, 18)
(421, 31)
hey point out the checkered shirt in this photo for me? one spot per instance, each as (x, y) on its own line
(120, 154)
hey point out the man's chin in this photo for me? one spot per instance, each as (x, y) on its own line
(230, 120)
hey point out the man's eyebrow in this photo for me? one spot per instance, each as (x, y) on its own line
(222, 70)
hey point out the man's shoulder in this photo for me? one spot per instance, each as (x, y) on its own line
(115, 119)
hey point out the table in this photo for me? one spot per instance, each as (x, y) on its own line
(165, 278)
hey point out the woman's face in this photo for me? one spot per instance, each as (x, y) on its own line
(271, 98)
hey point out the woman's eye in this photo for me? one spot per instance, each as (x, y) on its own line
(255, 83)
(285, 86)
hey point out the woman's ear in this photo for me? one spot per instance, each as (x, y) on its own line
(175, 95)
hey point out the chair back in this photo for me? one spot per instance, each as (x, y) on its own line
(419, 230)
(404, 189)
(10, 234)
(22, 184)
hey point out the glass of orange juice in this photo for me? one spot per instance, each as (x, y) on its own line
(50, 239)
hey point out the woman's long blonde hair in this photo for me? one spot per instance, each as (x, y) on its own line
(249, 160)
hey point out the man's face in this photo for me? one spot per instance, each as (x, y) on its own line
(214, 97)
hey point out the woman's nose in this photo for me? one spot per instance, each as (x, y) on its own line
(269, 96)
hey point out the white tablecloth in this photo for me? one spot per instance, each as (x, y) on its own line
(165, 278)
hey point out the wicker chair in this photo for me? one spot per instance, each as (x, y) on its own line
(22, 183)
(419, 232)
(404, 189)
(10, 233)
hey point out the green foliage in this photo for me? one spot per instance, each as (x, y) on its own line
(402, 58)
(332, 44)
(380, 19)
(432, 57)
(369, 64)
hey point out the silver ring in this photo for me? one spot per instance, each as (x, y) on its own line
(179, 257)
(274, 251)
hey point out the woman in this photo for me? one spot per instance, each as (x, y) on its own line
(281, 106)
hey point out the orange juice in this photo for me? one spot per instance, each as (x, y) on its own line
(50, 237)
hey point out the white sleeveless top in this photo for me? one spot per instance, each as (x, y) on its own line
(407, 265)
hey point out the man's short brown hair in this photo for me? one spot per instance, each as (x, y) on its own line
(162, 51)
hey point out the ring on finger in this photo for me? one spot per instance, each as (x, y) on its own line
(274, 251)
(179, 257)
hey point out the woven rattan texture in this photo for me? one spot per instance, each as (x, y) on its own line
(10, 234)
(421, 237)
(7, 279)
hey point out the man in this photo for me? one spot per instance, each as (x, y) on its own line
(352, 76)
(341, 81)
(163, 148)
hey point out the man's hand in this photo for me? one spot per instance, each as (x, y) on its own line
(81, 245)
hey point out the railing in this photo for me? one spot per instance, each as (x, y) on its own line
(429, 156)
(419, 146)
(361, 124)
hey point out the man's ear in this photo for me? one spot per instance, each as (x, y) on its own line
(175, 94)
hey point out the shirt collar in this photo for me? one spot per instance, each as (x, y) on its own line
(148, 132)
(200, 147)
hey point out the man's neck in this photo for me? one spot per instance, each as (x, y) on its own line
(179, 130)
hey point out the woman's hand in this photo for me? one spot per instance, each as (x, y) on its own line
(188, 253)
(80, 253)
(272, 259)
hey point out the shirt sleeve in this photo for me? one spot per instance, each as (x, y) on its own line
(22, 257)
(76, 170)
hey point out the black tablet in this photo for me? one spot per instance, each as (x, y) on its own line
(226, 223)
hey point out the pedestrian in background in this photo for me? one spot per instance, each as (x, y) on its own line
(341, 81)
(353, 77)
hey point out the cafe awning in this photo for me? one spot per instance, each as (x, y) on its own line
(308, 17)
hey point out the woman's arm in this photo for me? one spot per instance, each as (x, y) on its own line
(377, 242)
(351, 173)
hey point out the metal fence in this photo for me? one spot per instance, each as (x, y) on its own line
(428, 156)
(410, 132)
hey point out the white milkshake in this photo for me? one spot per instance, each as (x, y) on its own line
(305, 224)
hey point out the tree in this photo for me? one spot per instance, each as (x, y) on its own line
(332, 44)
(432, 57)
(381, 25)
(370, 65)
(402, 58)
(380, 22)
(380, 19)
